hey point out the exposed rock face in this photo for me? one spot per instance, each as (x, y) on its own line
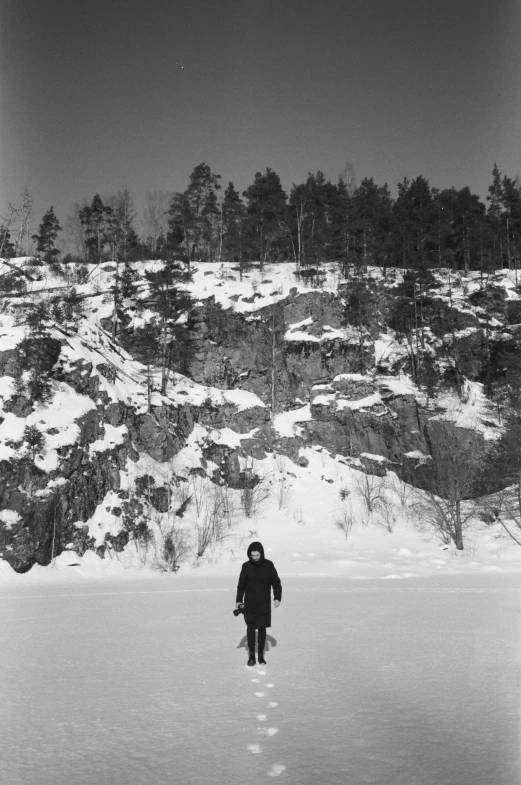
(390, 428)
(48, 515)
(258, 352)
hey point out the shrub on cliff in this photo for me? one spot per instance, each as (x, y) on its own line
(38, 352)
(35, 439)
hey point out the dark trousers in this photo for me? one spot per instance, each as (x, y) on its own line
(250, 634)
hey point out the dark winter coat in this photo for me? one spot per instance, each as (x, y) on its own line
(254, 588)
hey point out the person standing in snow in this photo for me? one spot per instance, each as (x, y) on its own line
(258, 576)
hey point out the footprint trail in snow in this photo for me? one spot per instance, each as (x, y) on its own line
(276, 768)
(268, 731)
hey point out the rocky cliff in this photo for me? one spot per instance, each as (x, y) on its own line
(276, 366)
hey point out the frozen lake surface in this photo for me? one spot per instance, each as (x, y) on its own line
(388, 682)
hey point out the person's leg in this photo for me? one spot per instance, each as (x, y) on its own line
(262, 643)
(250, 635)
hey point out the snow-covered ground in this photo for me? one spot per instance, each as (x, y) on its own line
(373, 682)
(299, 524)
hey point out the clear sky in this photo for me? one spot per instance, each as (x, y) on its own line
(100, 94)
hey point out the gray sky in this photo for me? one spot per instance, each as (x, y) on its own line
(107, 93)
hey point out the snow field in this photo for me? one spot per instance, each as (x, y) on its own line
(371, 682)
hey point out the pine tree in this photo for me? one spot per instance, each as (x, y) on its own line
(511, 220)
(311, 215)
(46, 237)
(144, 343)
(412, 223)
(407, 315)
(96, 220)
(34, 351)
(179, 237)
(194, 216)
(319, 233)
(341, 234)
(442, 228)
(233, 213)
(72, 307)
(370, 217)
(6, 246)
(170, 302)
(362, 310)
(128, 282)
(124, 246)
(495, 199)
(265, 233)
(468, 217)
(34, 438)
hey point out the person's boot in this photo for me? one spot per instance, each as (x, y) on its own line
(261, 659)
(251, 661)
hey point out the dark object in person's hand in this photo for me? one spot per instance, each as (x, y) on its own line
(238, 610)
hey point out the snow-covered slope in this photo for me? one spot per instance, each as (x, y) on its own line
(125, 478)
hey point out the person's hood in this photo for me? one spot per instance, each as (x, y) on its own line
(256, 546)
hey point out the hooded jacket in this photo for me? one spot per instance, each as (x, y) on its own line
(254, 588)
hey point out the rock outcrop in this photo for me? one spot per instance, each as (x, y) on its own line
(280, 351)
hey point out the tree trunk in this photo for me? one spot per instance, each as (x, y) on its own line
(416, 333)
(458, 530)
(220, 235)
(115, 310)
(508, 244)
(6, 227)
(273, 365)
(163, 361)
(299, 237)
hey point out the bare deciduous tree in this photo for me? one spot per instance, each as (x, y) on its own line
(123, 217)
(348, 177)
(171, 545)
(154, 218)
(371, 488)
(404, 491)
(283, 490)
(256, 490)
(25, 215)
(344, 517)
(73, 237)
(505, 508)
(216, 519)
(458, 456)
